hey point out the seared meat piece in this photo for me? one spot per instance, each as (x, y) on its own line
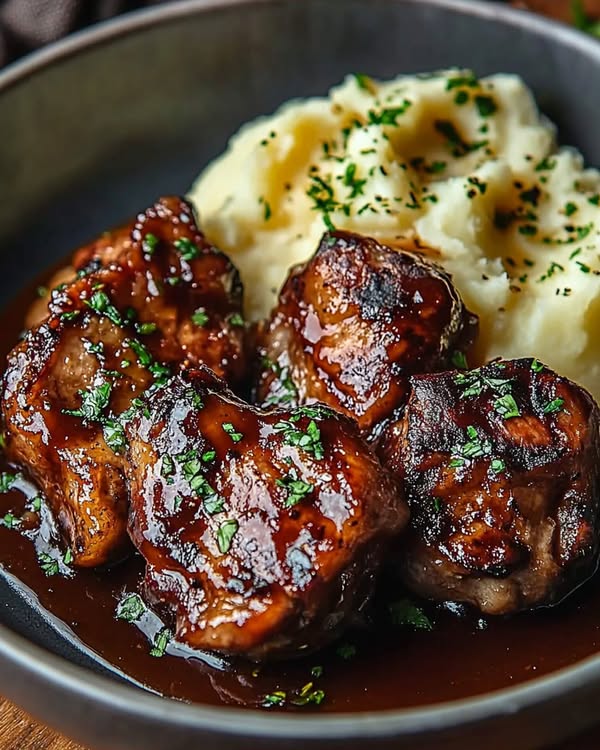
(108, 248)
(501, 469)
(262, 530)
(169, 299)
(352, 324)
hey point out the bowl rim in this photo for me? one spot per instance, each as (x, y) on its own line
(64, 675)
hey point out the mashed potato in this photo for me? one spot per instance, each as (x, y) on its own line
(463, 166)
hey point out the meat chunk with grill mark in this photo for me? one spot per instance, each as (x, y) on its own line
(501, 469)
(262, 530)
(166, 299)
(353, 323)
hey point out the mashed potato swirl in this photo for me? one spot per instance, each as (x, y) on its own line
(466, 167)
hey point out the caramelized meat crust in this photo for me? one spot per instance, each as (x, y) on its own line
(161, 298)
(262, 530)
(501, 470)
(353, 323)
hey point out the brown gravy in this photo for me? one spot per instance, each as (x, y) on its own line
(379, 666)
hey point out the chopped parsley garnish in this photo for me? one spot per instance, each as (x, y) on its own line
(114, 435)
(7, 480)
(405, 612)
(459, 81)
(10, 521)
(459, 146)
(167, 468)
(186, 248)
(581, 19)
(199, 317)
(209, 456)
(231, 431)
(474, 383)
(161, 641)
(350, 180)
(100, 302)
(478, 185)
(92, 348)
(497, 466)
(316, 671)
(486, 106)
(225, 533)
(236, 320)
(461, 97)
(94, 401)
(553, 406)
(267, 211)
(506, 406)
(49, 565)
(36, 504)
(160, 373)
(68, 557)
(474, 447)
(143, 355)
(309, 440)
(146, 328)
(459, 360)
(288, 391)
(570, 208)
(363, 81)
(388, 115)
(130, 608)
(297, 489)
(528, 230)
(70, 315)
(276, 698)
(314, 411)
(212, 502)
(150, 243)
(531, 196)
(346, 651)
(545, 165)
(537, 366)
(308, 694)
(323, 198)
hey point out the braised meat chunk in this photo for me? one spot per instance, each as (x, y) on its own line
(353, 323)
(501, 469)
(166, 300)
(262, 530)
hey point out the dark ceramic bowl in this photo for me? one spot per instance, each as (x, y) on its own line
(101, 124)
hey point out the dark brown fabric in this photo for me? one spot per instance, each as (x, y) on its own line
(27, 24)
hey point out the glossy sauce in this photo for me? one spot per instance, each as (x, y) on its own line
(377, 666)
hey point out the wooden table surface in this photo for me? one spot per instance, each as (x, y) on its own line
(18, 731)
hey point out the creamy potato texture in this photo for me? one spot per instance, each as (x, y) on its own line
(465, 167)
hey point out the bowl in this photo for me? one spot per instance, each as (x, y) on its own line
(101, 124)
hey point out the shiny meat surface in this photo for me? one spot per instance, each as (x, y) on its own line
(167, 299)
(352, 324)
(501, 469)
(262, 530)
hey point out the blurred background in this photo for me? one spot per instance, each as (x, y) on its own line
(28, 24)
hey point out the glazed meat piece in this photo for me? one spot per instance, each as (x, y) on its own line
(107, 248)
(167, 300)
(351, 325)
(262, 530)
(501, 469)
